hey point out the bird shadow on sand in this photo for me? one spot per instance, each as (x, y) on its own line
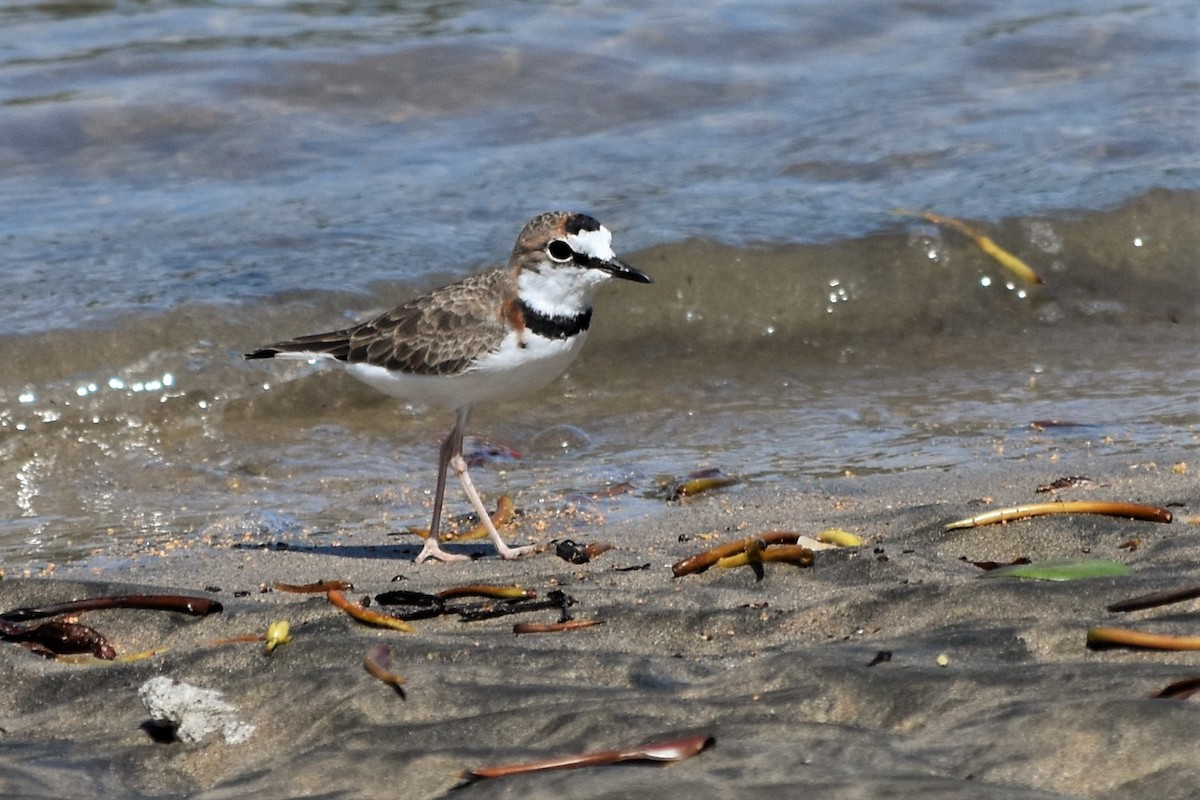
(391, 552)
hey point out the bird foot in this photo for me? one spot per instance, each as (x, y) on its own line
(512, 553)
(432, 551)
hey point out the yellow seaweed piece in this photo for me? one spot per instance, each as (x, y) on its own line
(840, 537)
(1001, 256)
(695, 486)
(278, 633)
(141, 655)
(1131, 510)
(514, 592)
(88, 658)
(705, 559)
(1125, 637)
(788, 554)
(1007, 260)
(505, 510)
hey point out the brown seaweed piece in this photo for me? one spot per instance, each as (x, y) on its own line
(708, 558)
(378, 662)
(705, 480)
(1180, 690)
(555, 599)
(420, 605)
(988, 566)
(571, 551)
(1068, 482)
(59, 637)
(365, 615)
(1124, 637)
(556, 627)
(664, 752)
(500, 601)
(240, 639)
(625, 487)
(1043, 424)
(313, 588)
(1155, 599)
(184, 604)
(408, 597)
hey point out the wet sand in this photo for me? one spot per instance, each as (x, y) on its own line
(780, 671)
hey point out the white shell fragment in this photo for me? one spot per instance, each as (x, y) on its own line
(193, 712)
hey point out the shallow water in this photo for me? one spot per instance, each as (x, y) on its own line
(188, 181)
(188, 442)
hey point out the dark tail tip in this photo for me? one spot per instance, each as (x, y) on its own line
(265, 352)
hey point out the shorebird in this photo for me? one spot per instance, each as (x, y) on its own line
(493, 336)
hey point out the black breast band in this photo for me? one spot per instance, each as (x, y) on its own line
(554, 327)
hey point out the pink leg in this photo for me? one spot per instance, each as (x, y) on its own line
(451, 446)
(460, 469)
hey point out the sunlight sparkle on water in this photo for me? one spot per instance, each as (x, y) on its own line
(837, 294)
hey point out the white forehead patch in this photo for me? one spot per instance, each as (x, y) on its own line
(597, 243)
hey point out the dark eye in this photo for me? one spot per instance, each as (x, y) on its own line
(560, 250)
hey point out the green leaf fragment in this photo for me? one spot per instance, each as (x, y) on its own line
(1071, 569)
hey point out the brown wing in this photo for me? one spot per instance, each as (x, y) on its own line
(437, 334)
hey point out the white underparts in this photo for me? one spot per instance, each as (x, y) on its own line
(508, 372)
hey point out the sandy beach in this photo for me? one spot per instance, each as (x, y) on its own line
(891, 669)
